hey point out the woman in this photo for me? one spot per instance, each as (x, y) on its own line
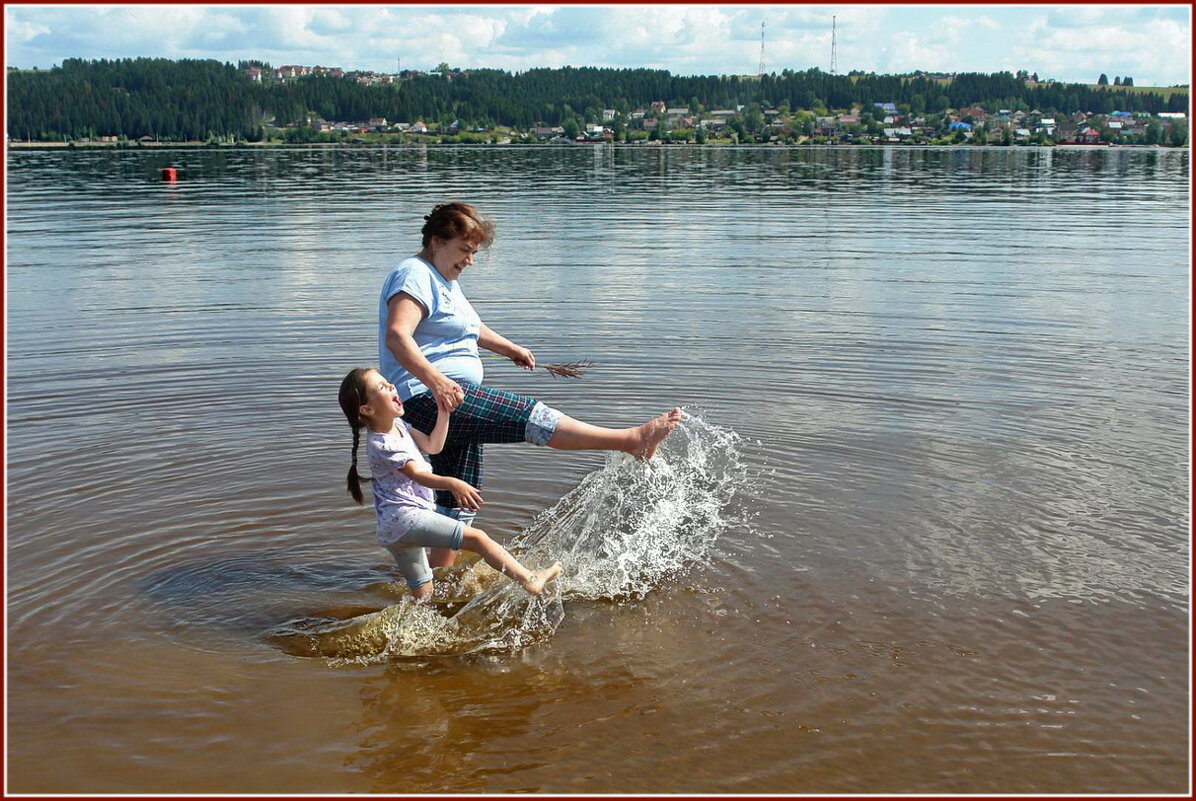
(428, 340)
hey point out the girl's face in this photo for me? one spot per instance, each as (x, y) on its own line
(451, 256)
(381, 398)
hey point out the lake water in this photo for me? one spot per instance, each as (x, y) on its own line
(925, 528)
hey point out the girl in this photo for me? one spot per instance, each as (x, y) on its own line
(403, 481)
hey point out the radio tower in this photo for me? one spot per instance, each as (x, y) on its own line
(834, 47)
(761, 48)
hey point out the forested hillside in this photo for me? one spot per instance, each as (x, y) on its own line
(195, 99)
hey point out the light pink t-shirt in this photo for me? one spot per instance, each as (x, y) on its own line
(397, 499)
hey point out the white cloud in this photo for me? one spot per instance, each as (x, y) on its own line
(940, 47)
(1150, 52)
(955, 28)
(479, 33)
(689, 35)
(332, 20)
(910, 51)
(522, 16)
(21, 30)
(1152, 43)
(289, 27)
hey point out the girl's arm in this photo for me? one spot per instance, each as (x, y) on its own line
(467, 497)
(433, 441)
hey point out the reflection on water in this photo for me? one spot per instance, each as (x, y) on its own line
(939, 515)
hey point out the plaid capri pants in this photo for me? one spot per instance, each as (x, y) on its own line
(486, 415)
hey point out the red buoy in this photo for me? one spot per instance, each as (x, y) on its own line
(170, 174)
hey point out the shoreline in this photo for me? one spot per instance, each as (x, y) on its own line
(374, 145)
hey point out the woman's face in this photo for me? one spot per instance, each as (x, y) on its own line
(450, 257)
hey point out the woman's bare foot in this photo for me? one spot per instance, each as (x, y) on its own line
(653, 432)
(537, 579)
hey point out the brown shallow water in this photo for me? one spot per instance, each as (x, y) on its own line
(940, 544)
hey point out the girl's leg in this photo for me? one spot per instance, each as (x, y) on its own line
(444, 557)
(501, 560)
(412, 562)
(640, 441)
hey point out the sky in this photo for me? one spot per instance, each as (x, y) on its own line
(1151, 43)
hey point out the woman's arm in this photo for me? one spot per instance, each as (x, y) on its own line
(467, 497)
(433, 441)
(496, 343)
(403, 314)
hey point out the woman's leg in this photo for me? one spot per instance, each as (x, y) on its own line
(640, 441)
(501, 560)
(461, 456)
(493, 416)
(424, 592)
(441, 557)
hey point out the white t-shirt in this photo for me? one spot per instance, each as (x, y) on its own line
(396, 497)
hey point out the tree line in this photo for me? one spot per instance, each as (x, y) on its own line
(193, 99)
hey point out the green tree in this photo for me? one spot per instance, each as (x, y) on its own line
(1154, 132)
(299, 135)
(803, 123)
(184, 99)
(753, 118)
(1178, 135)
(1103, 80)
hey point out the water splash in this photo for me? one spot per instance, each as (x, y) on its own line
(632, 525)
(501, 618)
(626, 529)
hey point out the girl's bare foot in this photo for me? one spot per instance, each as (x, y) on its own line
(538, 578)
(653, 432)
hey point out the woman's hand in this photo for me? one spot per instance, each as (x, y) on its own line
(522, 357)
(466, 496)
(447, 392)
